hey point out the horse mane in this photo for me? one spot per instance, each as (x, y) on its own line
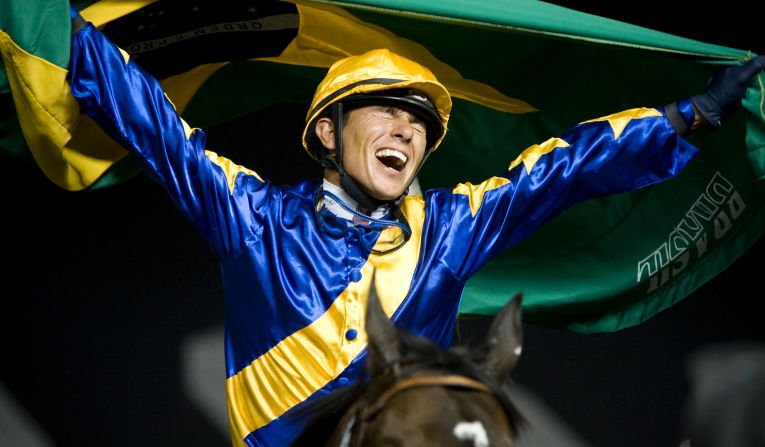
(324, 413)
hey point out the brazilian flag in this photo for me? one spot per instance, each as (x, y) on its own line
(519, 71)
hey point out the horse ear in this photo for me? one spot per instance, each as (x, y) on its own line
(384, 340)
(504, 340)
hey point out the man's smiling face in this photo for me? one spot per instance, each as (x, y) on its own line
(382, 148)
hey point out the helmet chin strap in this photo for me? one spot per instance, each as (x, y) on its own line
(346, 182)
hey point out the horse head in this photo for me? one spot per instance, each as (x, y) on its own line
(421, 395)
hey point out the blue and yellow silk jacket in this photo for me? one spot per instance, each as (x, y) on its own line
(295, 294)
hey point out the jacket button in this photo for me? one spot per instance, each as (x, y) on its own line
(351, 334)
(356, 275)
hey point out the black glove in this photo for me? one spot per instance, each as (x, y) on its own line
(78, 22)
(725, 90)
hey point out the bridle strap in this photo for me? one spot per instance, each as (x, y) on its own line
(452, 381)
(353, 433)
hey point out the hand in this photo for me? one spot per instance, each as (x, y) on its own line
(725, 90)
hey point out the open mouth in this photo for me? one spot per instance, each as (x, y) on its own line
(391, 159)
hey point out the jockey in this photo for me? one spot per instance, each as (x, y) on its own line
(300, 262)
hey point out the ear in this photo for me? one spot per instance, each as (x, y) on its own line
(384, 340)
(504, 340)
(325, 130)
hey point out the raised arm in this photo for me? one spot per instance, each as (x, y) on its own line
(132, 108)
(608, 155)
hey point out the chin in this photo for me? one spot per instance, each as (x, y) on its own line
(388, 188)
(387, 195)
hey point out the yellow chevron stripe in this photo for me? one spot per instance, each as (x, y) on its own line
(619, 121)
(475, 193)
(230, 169)
(531, 155)
(528, 157)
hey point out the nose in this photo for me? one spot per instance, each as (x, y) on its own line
(402, 127)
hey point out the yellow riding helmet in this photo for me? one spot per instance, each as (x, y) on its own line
(382, 77)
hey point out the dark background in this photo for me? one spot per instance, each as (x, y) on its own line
(100, 288)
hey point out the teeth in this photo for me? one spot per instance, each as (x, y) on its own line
(391, 153)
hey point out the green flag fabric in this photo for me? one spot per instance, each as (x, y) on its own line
(519, 71)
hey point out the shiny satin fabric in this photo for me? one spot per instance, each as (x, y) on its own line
(295, 293)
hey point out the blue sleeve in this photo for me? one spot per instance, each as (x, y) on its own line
(604, 156)
(132, 108)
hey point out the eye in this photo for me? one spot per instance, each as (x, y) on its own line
(417, 124)
(382, 112)
(391, 111)
(419, 127)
